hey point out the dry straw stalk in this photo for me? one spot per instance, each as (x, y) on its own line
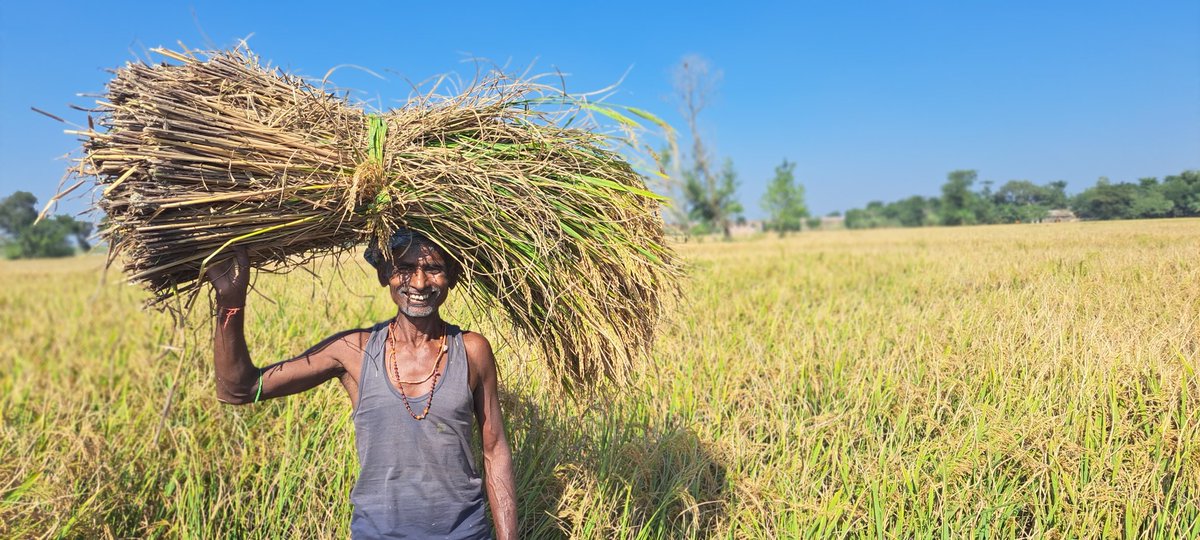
(550, 223)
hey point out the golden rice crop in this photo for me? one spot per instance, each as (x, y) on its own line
(1016, 381)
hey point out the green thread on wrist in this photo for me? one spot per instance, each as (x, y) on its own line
(259, 393)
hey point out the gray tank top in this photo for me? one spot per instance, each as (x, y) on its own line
(417, 479)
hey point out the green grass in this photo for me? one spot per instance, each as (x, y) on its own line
(1008, 381)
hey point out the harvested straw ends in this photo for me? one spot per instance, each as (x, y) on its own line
(551, 226)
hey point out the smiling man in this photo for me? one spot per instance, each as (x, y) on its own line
(417, 384)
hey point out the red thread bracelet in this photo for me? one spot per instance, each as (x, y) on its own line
(229, 313)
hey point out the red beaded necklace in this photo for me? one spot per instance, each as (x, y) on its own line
(432, 374)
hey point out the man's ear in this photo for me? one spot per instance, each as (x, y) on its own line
(383, 279)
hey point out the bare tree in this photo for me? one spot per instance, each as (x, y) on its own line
(709, 195)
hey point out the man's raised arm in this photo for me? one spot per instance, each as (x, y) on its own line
(239, 382)
(237, 378)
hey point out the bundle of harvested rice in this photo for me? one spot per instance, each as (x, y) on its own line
(550, 223)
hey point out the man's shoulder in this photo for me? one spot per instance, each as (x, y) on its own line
(353, 338)
(478, 347)
(342, 347)
(481, 361)
(471, 337)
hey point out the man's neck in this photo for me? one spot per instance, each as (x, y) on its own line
(416, 330)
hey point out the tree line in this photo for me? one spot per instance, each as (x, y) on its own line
(55, 236)
(706, 200)
(710, 206)
(1022, 201)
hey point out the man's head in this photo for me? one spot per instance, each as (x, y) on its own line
(419, 274)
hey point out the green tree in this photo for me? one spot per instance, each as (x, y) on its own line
(1021, 201)
(25, 237)
(873, 216)
(914, 211)
(1183, 190)
(1019, 193)
(1106, 200)
(984, 207)
(1150, 202)
(17, 212)
(958, 201)
(1055, 194)
(784, 200)
(857, 218)
(712, 202)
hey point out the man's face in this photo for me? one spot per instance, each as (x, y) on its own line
(419, 281)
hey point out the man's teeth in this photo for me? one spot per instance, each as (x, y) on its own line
(418, 297)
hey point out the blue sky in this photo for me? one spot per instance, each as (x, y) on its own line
(872, 100)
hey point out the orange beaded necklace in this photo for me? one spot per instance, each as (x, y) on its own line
(432, 374)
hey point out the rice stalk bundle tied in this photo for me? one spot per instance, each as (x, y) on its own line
(550, 223)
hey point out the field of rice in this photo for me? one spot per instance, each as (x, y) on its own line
(1002, 381)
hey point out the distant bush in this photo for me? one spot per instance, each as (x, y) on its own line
(51, 237)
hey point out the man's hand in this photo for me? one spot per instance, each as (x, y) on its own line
(230, 278)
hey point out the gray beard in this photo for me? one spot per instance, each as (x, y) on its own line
(418, 312)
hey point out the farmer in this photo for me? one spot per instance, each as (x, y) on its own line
(416, 384)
